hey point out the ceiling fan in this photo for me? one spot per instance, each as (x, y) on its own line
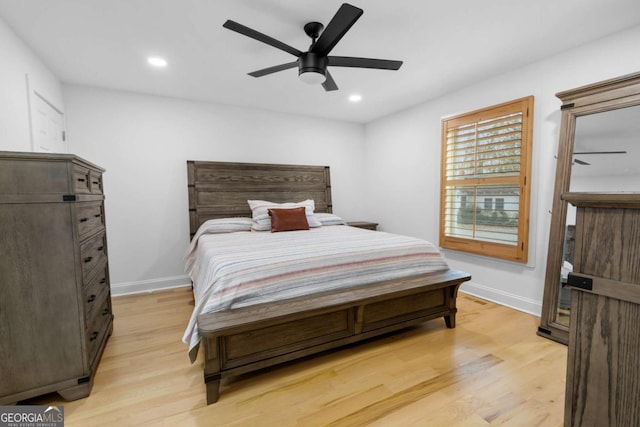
(312, 64)
(582, 153)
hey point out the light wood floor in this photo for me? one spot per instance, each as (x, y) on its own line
(491, 369)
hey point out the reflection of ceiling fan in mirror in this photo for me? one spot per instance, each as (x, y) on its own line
(582, 153)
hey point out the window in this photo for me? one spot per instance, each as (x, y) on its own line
(484, 195)
(488, 203)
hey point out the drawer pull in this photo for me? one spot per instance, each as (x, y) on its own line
(91, 298)
(81, 179)
(93, 336)
(88, 259)
(97, 215)
(103, 281)
(105, 312)
(101, 248)
(84, 219)
(95, 182)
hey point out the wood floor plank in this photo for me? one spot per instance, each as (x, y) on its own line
(492, 369)
(368, 414)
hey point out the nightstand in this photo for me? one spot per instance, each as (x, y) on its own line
(364, 224)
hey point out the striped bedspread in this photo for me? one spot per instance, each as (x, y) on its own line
(238, 269)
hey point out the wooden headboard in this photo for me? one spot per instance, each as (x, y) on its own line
(221, 189)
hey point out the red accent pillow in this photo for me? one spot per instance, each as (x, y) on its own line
(288, 219)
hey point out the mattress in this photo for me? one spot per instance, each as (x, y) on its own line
(238, 269)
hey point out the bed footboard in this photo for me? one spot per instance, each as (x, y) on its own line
(251, 338)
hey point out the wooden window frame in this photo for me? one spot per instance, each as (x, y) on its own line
(513, 252)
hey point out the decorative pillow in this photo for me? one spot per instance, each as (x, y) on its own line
(260, 212)
(329, 219)
(288, 219)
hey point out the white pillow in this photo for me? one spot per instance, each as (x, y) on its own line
(262, 220)
(225, 225)
(329, 219)
(220, 225)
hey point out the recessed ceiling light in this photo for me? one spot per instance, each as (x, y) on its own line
(156, 61)
(355, 98)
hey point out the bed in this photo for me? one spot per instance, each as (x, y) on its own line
(249, 336)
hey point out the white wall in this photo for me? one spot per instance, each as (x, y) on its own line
(17, 62)
(144, 143)
(402, 160)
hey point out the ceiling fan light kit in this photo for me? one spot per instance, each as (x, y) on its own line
(312, 65)
(312, 68)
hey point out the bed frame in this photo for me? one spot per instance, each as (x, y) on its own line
(246, 339)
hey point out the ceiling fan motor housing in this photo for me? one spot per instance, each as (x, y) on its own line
(310, 62)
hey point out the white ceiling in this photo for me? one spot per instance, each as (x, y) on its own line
(445, 45)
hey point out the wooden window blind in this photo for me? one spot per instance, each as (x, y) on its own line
(484, 197)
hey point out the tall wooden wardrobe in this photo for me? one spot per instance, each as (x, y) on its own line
(55, 299)
(603, 368)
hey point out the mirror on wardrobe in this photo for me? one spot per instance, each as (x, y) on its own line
(598, 151)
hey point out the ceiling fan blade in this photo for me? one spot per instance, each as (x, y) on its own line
(348, 61)
(274, 69)
(249, 32)
(600, 152)
(344, 19)
(329, 84)
(581, 162)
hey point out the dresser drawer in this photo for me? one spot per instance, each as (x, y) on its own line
(98, 328)
(95, 182)
(90, 218)
(100, 278)
(81, 180)
(87, 181)
(95, 292)
(92, 253)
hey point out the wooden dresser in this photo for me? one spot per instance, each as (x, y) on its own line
(55, 299)
(603, 369)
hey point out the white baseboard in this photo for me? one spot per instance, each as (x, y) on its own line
(151, 285)
(507, 299)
